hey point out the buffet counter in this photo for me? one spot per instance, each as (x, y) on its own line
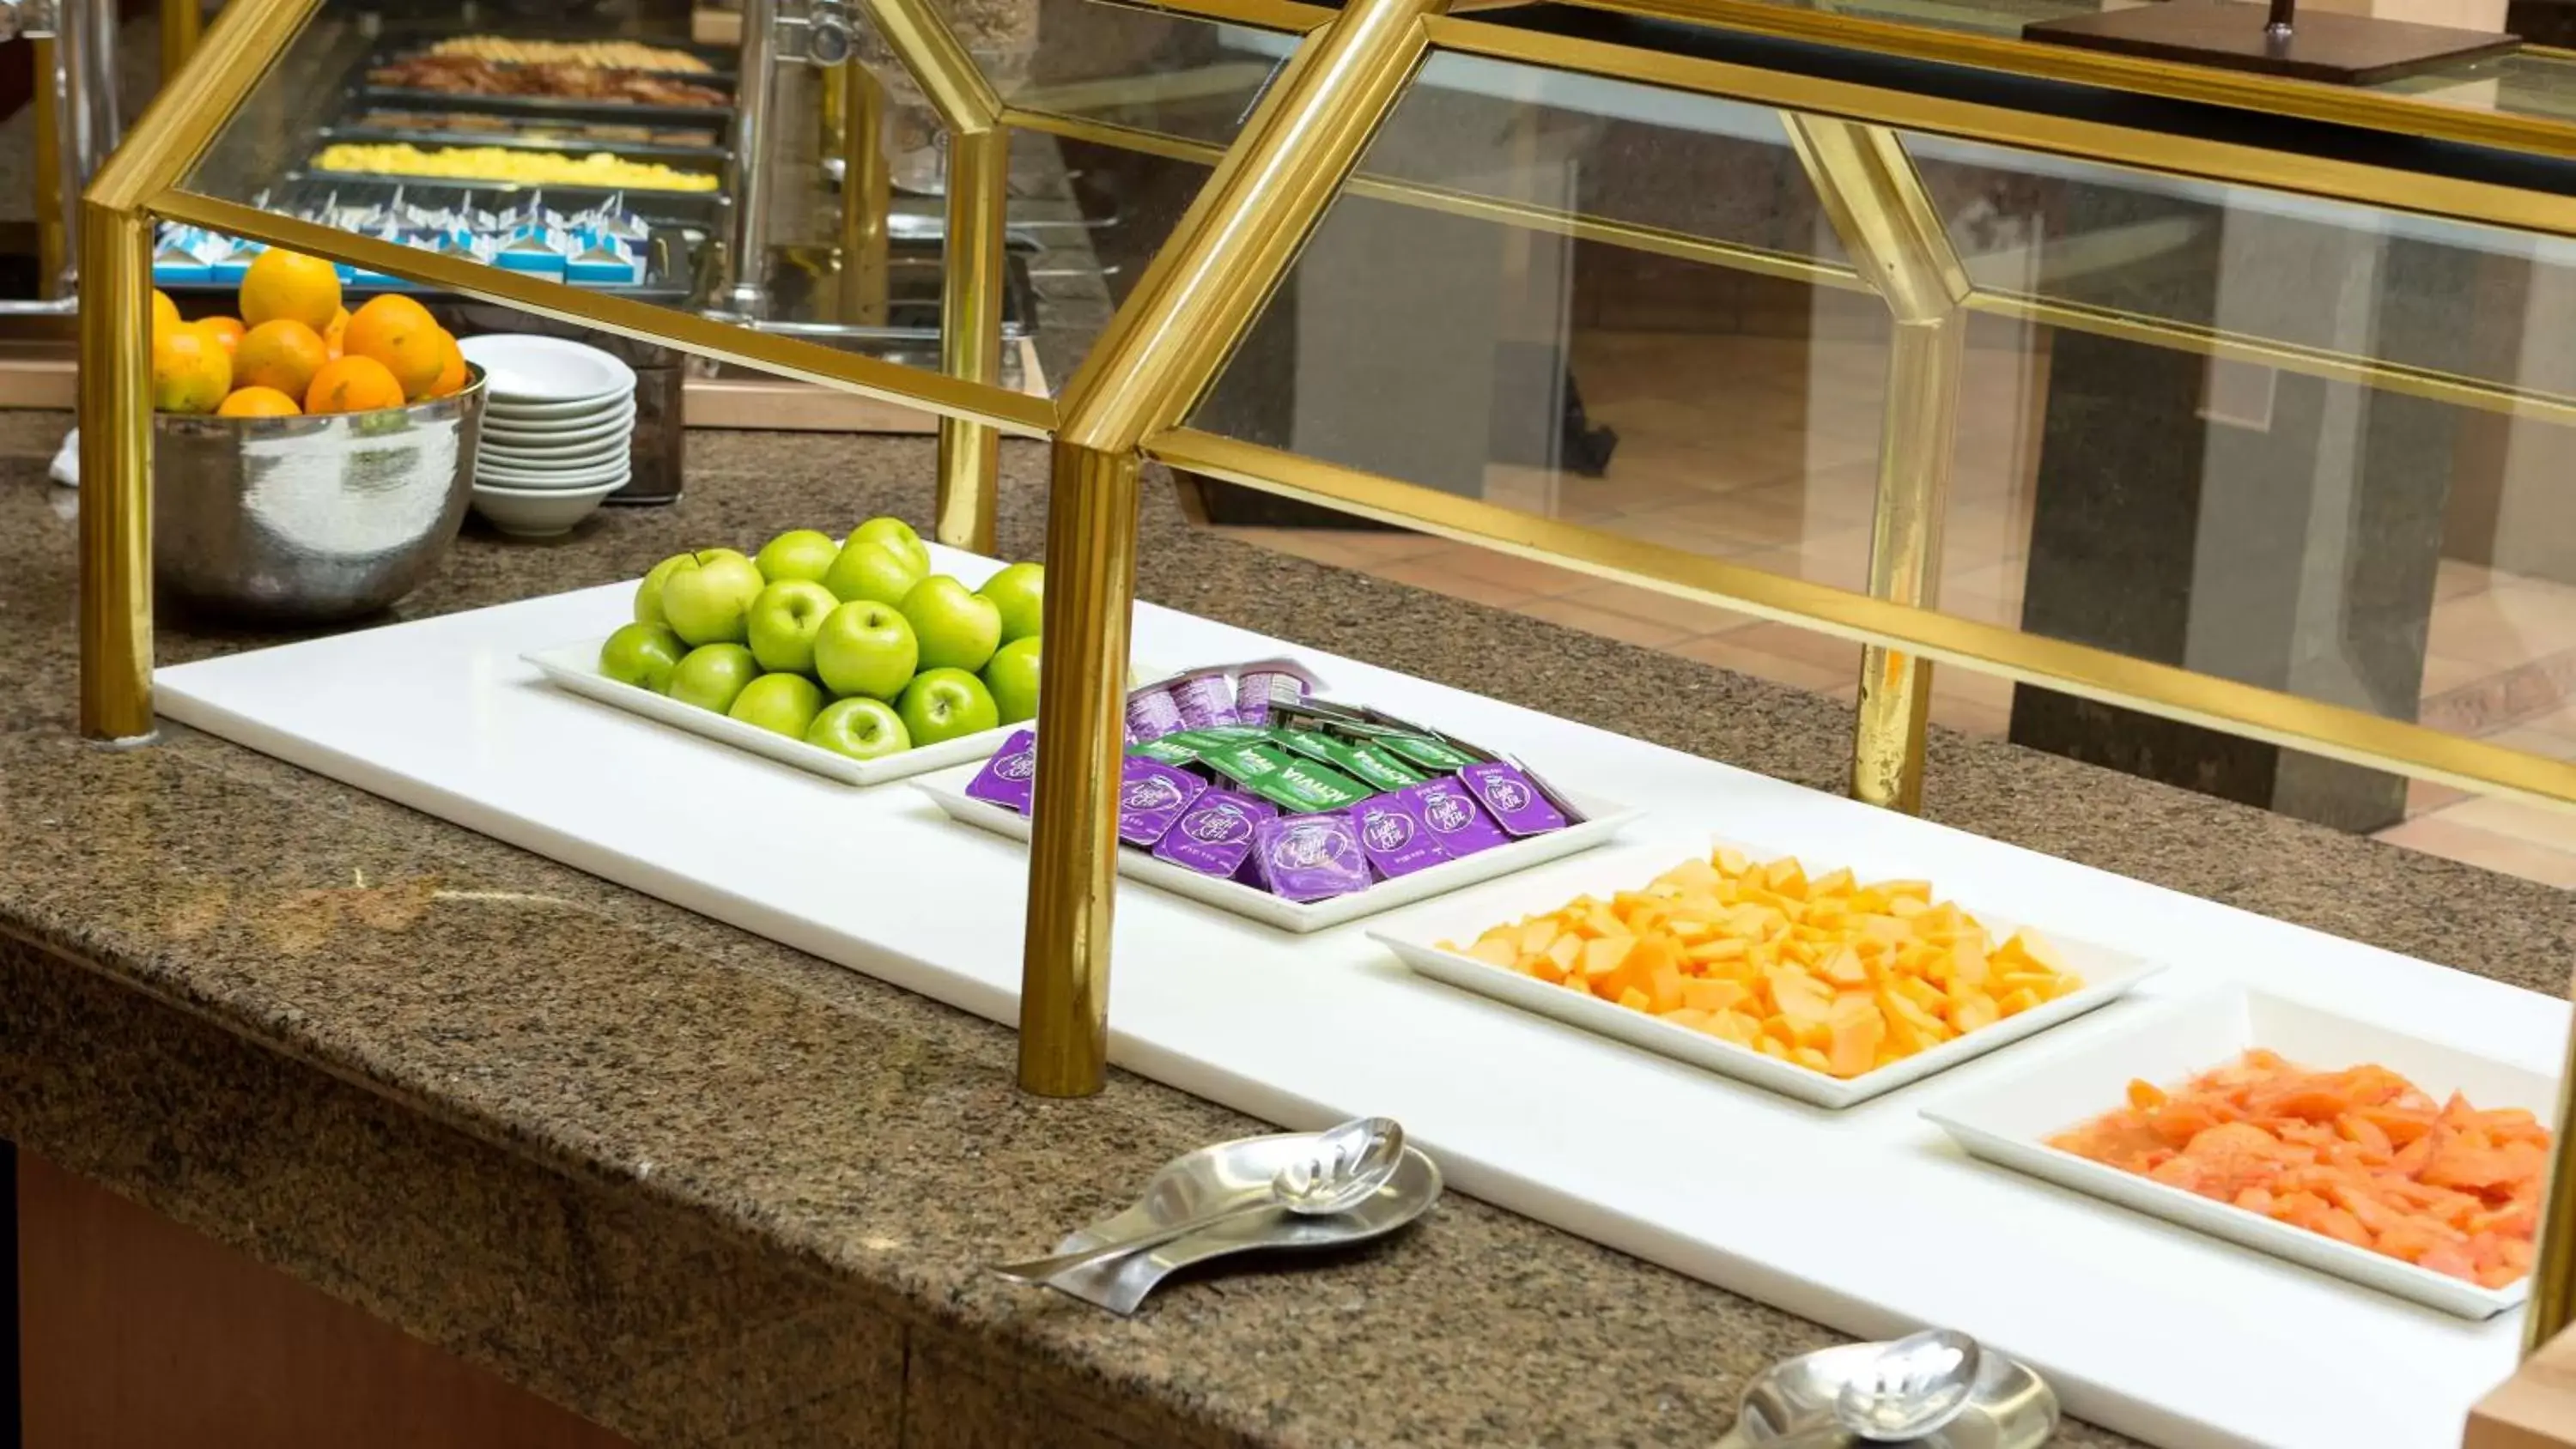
(701, 1188)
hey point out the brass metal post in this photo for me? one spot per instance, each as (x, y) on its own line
(181, 21)
(1091, 582)
(1877, 206)
(867, 191)
(1158, 355)
(116, 474)
(1917, 430)
(116, 354)
(970, 329)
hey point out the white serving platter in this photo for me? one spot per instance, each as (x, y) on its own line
(2108, 975)
(2009, 1119)
(575, 666)
(1601, 820)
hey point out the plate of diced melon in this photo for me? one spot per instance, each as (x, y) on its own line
(1808, 980)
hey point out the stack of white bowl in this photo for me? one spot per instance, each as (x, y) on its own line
(558, 427)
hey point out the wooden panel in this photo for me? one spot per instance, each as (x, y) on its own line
(138, 1334)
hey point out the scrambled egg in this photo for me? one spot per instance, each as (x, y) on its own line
(495, 163)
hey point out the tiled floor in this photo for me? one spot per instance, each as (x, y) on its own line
(1780, 475)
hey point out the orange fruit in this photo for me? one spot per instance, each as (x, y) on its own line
(227, 330)
(335, 334)
(165, 313)
(400, 333)
(352, 385)
(258, 402)
(191, 372)
(283, 355)
(452, 375)
(291, 285)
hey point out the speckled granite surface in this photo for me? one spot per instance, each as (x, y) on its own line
(705, 1189)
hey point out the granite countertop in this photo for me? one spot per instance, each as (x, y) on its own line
(704, 1189)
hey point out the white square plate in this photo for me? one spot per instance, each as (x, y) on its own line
(2108, 975)
(2009, 1120)
(1601, 820)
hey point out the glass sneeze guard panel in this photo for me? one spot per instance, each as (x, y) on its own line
(2389, 550)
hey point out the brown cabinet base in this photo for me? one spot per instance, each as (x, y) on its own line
(139, 1334)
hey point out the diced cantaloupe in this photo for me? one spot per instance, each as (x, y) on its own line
(1812, 968)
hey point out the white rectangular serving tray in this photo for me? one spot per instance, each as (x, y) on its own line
(2008, 1120)
(2108, 975)
(1601, 820)
(575, 666)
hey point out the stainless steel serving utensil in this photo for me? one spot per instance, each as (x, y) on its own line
(1915, 1386)
(1798, 1403)
(1349, 1165)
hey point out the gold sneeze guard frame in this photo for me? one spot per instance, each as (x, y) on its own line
(1167, 344)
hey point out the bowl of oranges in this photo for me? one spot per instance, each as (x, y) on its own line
(310, 463)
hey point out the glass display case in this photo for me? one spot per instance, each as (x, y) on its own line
(2213, 362)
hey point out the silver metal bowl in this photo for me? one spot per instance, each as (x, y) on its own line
(310, 520)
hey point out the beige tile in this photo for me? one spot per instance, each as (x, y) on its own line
(1691, 617)
(2453, 579)
(1439, 578)
(1968, 686)
(2442, 674)
(2426, 796)
(2505, 625)
(1706, 540)
(1626, 628)
(2531, 824)
(1824, 651)
(1506, 570)
(1836, 560)
(2440, 834)
(2551, 744)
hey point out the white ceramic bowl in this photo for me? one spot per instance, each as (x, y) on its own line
(547, 371)
(549, 460)
(501, 475)
(567, 430)
(539, 512)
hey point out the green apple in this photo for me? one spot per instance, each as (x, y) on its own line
(942, 704)
(861, 728)
(865, 648)
(898, 535)
(803, 553)
(1012, 676)
(648, 594)
(783, 622)
(958, 629)
(871, 572)
(642, 654)
(780, 703)
(711, 676)
(1020, 593)
(706, 599)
